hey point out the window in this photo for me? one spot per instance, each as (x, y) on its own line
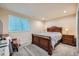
(17, 24)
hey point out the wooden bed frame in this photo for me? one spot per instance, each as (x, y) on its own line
(45, 41)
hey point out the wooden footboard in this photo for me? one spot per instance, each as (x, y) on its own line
(43, 42)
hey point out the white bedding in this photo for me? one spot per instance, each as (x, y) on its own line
(55, 36)
(4, 51)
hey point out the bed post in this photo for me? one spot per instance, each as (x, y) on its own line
(32, 38)
(50, 48)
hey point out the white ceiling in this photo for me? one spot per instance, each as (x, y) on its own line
(46, 10)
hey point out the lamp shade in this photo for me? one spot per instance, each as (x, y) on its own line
(66, 29)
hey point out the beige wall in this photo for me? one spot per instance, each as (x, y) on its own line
(24, 37)
(64, 22)
(37, 26)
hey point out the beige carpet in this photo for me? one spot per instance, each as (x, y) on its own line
(33, 50)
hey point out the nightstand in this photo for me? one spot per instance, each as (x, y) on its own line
(69, 39)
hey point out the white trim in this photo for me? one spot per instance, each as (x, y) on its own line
(77, 28)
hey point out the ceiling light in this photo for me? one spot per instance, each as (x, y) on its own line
(65, 11)
(43, 18)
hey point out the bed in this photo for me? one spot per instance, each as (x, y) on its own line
(45, 40)
(5, 45)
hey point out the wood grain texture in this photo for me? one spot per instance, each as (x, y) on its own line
(69, 39)
(54, 29)
(45, 41)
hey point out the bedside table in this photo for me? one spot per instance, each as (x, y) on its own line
(69, 39)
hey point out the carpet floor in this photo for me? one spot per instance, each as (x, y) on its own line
(33, 50)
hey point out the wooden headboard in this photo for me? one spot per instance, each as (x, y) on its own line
(54, 29)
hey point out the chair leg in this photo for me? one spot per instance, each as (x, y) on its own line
(17, 49)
